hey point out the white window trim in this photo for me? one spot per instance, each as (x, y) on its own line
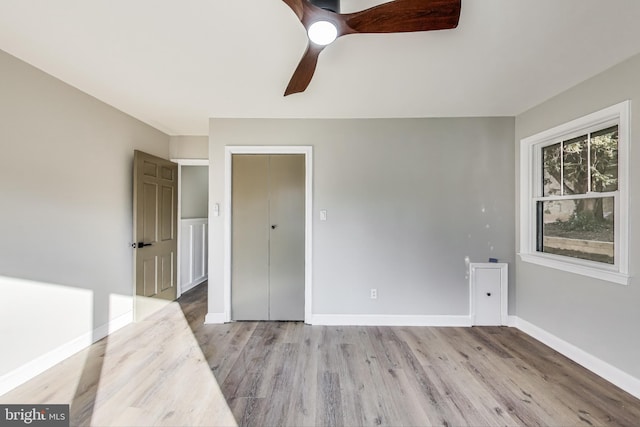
(529, 158)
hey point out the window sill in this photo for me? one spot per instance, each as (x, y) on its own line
(596, 273)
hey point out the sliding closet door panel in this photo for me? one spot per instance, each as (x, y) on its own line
(250, 238)
(286, 207)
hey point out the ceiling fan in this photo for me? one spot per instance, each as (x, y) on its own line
(324, 24)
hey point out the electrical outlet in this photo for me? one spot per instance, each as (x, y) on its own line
(374, 294)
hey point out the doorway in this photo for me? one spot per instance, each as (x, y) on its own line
(193, 223)
(304, 272)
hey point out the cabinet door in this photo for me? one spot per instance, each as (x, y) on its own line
(488, 294)
(487, 297)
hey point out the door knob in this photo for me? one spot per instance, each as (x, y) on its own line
(274, 226)
(141, 245)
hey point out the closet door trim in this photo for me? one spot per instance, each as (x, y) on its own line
(308, 267)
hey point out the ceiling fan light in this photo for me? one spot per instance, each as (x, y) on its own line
(322, 33)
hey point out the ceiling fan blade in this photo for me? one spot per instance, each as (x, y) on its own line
(297, 6)
(303, 74)
(398, 16)
(401, 16)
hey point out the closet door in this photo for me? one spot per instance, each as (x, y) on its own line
(286, 209)
(250, 238)
(268, 237)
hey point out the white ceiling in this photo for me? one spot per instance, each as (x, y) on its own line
(173, 64)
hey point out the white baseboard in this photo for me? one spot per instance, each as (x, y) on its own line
(512, 321)
(193, 284)
(388, 320)
(113, 325)
(214, 318)
(609, 372)
(29, 370)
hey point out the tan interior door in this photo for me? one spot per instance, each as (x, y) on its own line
(155, 210)
(268, 235)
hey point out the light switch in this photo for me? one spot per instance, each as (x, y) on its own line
(323, 215)
(216, 209)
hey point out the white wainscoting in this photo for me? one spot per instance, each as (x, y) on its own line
(193, 252)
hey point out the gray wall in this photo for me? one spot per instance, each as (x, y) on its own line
(599, 317)
(194, 191)
(407, 201)
(189, 147)
(66, 211)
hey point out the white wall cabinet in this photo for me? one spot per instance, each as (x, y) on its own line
(488, 284)
(193, 252)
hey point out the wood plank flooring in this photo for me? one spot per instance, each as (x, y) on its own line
(174, 370)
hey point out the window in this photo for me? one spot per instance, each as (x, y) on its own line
(574, 198)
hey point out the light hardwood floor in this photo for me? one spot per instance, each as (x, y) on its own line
(174, 370)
